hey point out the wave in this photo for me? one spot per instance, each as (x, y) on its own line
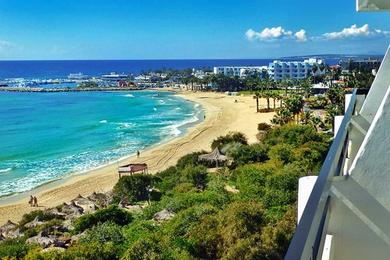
(128, 95)
(125, 124)
(103, 121)
(155, 109)
(5, 170)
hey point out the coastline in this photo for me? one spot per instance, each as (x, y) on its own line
(222, 115)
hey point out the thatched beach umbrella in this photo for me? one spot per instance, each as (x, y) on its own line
(214, 156)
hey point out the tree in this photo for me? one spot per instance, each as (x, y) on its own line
(257, 96)
(294, 103)
(130, 189)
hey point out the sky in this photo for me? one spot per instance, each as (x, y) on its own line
(187, 29)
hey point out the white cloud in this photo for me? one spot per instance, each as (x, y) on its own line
(275, 33)
(4, 45)
(301, 36)
(355, 31)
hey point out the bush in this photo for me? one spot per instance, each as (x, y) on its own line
(112, 214)
(282, 152)
(263, 127)
(250, 180)
(249, 154)
(195, 175)
(40, 214)
(234, 137)
(94, 250)
(14, 249)
(167, 179)
(294, 135)
(189, 160)
(131, 189)
(103, 233)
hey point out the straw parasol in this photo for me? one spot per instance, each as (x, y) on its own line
(214, 156)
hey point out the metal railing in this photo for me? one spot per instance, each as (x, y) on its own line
(309, 234)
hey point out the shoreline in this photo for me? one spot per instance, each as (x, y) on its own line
(17, 197)
(222, 115)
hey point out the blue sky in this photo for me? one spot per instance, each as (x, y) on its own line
(173, 29)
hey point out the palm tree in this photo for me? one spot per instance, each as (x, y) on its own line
(295, 104)
(257, 96)
(274, 95)
(282, 117)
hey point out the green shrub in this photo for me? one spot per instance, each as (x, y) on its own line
(112, 214)
(234, 137)
(245, 154)
(94, 250)
(263, 127)
(39, 214)
(131, 189)
(282, 152)
(139, 229)
(167, 179)
(292, 134)
(103, 233)
(189, 160)
(196, 175)
(14, 248)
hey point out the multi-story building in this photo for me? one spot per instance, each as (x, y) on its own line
(279, 70)
(241, 71)
(360, 64)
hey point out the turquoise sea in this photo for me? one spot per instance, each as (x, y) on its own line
(45, 136)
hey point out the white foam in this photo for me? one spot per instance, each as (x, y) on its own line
(129, 95)
(155, 109)
(103, 121)
(5, 170)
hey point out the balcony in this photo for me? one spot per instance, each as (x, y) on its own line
(348, 210)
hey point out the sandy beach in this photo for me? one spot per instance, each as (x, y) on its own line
(222, 115)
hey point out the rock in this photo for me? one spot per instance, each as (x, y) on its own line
(87, 205)
(163, 215)
(133, 208)
(13, 233)
(2, 238)
(34, 223)
(77, 237)
(67, 224)
(100, 199)
(41, 240)
(72, 211)
(7, 227)
(56, 213)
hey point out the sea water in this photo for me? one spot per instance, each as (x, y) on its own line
(45, 136)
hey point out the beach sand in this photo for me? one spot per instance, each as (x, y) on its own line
(222, 115)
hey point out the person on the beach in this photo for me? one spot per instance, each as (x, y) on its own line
(35, 201)
(138, 153)
(31, 201)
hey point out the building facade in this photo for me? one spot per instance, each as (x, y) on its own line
(277, 70)
(296, 70)
(242, 71)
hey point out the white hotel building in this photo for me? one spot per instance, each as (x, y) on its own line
(277, 70)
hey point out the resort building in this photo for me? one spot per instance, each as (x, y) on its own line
(279, 70)
(361, 64)
(242, 71)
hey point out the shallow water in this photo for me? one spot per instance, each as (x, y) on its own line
(44, 136)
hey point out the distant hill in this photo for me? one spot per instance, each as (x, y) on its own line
(333, 56)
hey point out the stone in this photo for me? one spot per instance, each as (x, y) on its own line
(163, 215)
